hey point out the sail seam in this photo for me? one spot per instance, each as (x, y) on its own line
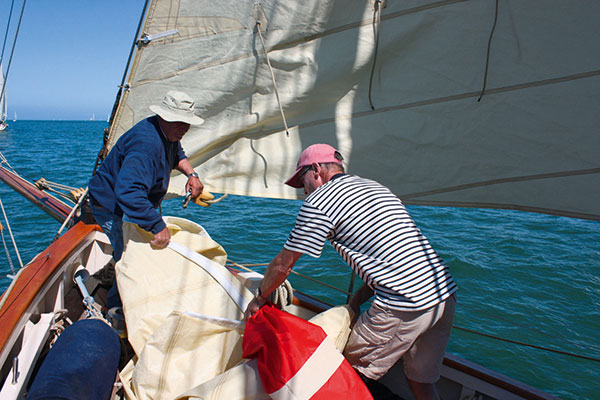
(455, 97)
(293, 43)
(560, 174)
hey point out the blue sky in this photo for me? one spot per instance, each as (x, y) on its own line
(69, 57)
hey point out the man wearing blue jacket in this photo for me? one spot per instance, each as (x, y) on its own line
(133, 179)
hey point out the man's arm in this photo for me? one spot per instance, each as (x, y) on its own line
(193, 182)
(277, 272)
(359, 297)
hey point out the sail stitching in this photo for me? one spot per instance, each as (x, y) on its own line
(560, 174)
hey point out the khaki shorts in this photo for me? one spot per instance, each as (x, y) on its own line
(382, 336)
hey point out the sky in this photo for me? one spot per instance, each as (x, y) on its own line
(69, 56)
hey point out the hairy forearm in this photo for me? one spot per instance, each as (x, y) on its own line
(184, 166)
(278, 271)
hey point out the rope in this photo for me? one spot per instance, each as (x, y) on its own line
(70, 216)
(376, 18)
(12, 285)
(104, 150)
(12, 268)
(487, 58)
(272, 77)
(528, 345)
(12, 50)
(73, 195)
(12, 4)
(3, 160)
(284, 295)
(245, 267)
(11, 235)
(529, 327)
(264, 162)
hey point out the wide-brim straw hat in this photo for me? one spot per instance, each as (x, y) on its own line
(177, 107)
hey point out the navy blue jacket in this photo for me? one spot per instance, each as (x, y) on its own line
(134, 177)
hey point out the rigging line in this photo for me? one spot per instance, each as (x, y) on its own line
(376, 29)
(3, 160)
(487, 57)
(8, 291)
(455, 327)
(13, 51)
(102, 153)
(264, 161)
(7, 29)
(12, 267)
(528, 345)
(293, 272)
(529, 327)
(272, 77)
(70, 216)
(11, 234)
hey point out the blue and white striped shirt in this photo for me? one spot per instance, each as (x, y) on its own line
(372, 231)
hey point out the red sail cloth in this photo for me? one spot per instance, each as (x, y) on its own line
(283, 343)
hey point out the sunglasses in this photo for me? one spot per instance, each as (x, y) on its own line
(304, 171)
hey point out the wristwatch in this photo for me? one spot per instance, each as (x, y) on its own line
(193, 174)
(259, 295)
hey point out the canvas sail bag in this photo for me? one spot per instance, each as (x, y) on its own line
(163, 293)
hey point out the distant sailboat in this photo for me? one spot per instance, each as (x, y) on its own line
(15, 118)
(92, 118)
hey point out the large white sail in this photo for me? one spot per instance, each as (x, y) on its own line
(530, 143)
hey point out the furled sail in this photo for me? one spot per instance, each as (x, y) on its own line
(398, 97)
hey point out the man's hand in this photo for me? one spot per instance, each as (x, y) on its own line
(254, 306)
(161, 239)
(195, 186)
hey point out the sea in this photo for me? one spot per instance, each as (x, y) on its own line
(529, 284)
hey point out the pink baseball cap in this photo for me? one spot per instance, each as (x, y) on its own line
(317, 153)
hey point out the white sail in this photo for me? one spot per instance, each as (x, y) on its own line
(531, 143)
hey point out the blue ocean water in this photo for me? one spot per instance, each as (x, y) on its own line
(525, 277)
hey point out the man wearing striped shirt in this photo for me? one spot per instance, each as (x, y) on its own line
(412, 312)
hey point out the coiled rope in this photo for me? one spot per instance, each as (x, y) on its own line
(282, 296)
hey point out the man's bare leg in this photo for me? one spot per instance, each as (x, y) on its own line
(423, 391)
